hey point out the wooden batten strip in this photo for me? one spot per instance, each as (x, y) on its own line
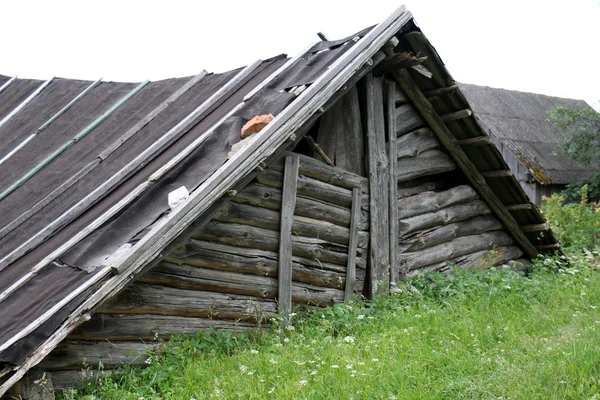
(51, 120)
(553, 246)
(535, 227)
(263, 145)
(7, 83)
(288, 204)
(519, 207)
(436, 92)
(451, 144)
(352, 247)
(379, 248)
(453, 116)
(25, 102)
(395, 274)
(476, 141)
(506, 173)
(29, 174)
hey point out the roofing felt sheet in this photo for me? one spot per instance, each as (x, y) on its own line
(124, 227)
(520, 120)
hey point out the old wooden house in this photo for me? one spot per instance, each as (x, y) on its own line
(519, 125)
(132, 212)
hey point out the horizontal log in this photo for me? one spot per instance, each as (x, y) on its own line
(450, 250)
(75, 379)
(264, 239)
(430, 162)
(407, 119)
(504, 173)
(445, 216)
(475, 141)
(112, 327)
(142, 298)
(453, 116)
(312, 188)
(411, 188)
(72, 354)
(193, 249)
(534, 227)
(399, 96)
(270, 197)
(416, 142)
(196, 278)
(333, 175)
(444, 233)
(519, 207)
(302, 226)
(432, 201)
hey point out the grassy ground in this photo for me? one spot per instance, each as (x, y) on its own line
(470, 335)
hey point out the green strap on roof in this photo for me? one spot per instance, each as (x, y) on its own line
(71, 142)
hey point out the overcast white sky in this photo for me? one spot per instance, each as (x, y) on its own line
(541, 46)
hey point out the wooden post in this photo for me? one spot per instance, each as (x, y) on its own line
(452, 146)
(395, 273)
(379, 249)
(352, 245)
(288, 204)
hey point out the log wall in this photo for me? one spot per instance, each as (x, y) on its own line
(225, 275)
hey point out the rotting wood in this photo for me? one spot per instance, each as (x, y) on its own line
(459, 212)
(302, 226)
(475, 141)
(458, 247)
(288, 203)
(416, 142)
(111, 327)
(395, 274)
(427, 202)
(264, 239)
(264, 146)
(450, 143)
(430, 162)
(333, 175)
(519, 207)
(270, 197)
(443, 233)
(453, 116)
(75, 354)
(379, 249)
(352, 247)
(505, 173)
(407, 119)
(143, 298)
(534, 227)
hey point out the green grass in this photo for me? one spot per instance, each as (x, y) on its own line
(470, 335)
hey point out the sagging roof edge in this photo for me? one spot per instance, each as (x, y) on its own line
(130, 262)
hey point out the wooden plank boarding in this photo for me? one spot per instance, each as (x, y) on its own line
(354, 221)
(288, 204)
(379, 249)
(452, 145)
(395, 273)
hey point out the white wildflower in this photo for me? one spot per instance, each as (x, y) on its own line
(349, 339)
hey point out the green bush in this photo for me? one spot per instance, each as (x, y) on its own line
(576, 225)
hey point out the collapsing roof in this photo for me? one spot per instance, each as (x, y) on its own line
(521, 122)
(87, 168)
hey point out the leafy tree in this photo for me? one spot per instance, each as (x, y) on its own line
(583, 133)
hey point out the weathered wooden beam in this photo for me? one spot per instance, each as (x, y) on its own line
(436, 92)
(407, 119)
(315, 147)
(427, 202)
(459, 212)
(534, 227)
(411, 188)
(288, 203)
(451, 145)
(398, 60)
(349, 139)
(519, 207)
(352, 247)
(548, 246)
(453, 116)
(395, 273)
(505, 173)
(476, 141)
(414, 143)
(430, 162)
(379, 249)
